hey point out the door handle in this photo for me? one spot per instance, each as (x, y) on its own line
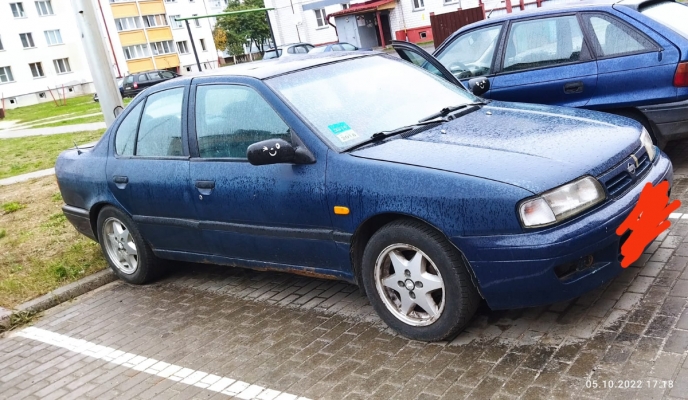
(120, 181)
(205, 184)
(573, 88)
(205, 187)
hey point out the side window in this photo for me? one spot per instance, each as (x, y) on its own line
(301, 50)
(160, 132)
(418, 60)
(348, 47)
(471, 54)
(143, 78)
(543, 42)
(291, 50)
(126, 133)
(154, 76)
(337, 47)
(615, 38)
(229, 118)
(167, 74)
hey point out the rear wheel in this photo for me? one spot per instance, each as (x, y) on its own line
(417, 282)
(129, 256)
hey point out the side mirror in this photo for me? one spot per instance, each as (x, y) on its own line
(273, 151)
(479, 86)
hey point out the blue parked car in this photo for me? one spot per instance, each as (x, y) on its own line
(362, 167)
(627, 57)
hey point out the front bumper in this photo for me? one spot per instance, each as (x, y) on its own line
(514, 271)
(670, 120)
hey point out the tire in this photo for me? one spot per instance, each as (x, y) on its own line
(128, 255)
(446, 287)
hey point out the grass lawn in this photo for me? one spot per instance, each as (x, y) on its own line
(75, 107)
(33, 153)
(39, 248)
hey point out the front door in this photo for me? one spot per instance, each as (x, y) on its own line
(276, 214)
(548, 61)
(149, 173)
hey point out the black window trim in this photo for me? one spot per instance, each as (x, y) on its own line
(194, 151)
(595, 45)
(496, 63)
(144, 100)
(585, 49)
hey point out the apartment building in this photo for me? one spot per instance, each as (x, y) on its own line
(41, 54)
(144, 35)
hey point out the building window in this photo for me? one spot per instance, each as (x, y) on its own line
(27, 40)
(136, 51)
(418, 4)
(6, 75)
(36, 70)
(17, 10)
(203, 45)
(345, 6)
(155, 20)
(183, 47)
(174, 23)
(44, 8)
(423, 35)
(197, 21)
(53, 37)
(160, 48)
(127, 24)
(320, 17)
(62, 66)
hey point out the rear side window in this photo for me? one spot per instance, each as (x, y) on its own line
(615, 38)
(160, 131)
(543, 43)
(154, 76)
(167, 74)
(129, 79)
(126, 133)
(670, 14)
(143, 78)
(229, 118)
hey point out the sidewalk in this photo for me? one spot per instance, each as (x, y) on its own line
(26, 177)
(53, 130)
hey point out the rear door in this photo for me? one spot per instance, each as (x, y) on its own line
(148, 173)
(546, 60)
(634, 67)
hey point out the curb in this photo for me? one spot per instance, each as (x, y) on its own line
(59, 295)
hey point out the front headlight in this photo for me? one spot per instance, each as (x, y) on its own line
(646, 140)
(561, 203)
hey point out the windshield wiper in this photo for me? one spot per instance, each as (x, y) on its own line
(448, 110)
(376, 137)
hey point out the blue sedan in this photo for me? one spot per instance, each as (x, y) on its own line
(362, 167)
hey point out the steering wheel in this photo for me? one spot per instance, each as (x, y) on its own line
(460, 70)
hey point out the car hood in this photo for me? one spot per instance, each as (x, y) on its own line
(530, 146)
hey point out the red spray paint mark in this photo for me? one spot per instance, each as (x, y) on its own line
(647, 220)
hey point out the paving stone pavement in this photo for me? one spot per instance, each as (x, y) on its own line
(265, 335)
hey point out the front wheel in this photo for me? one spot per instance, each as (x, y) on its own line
(129, 256)
(417, 282)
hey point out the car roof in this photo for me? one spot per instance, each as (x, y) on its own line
(563, 6)
(265, 69)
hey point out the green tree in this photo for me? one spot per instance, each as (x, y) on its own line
(242, 28)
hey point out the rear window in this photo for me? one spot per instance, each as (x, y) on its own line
(272, 54)
(673, 15)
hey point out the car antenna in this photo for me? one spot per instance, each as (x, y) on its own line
(490, 13)
(78, 150)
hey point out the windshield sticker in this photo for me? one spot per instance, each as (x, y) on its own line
(343, 132)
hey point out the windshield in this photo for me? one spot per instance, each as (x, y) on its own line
(347, 102)
(272, 54)
(673, 15)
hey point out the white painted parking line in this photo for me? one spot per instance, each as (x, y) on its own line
(204, 380)
(677, 215)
